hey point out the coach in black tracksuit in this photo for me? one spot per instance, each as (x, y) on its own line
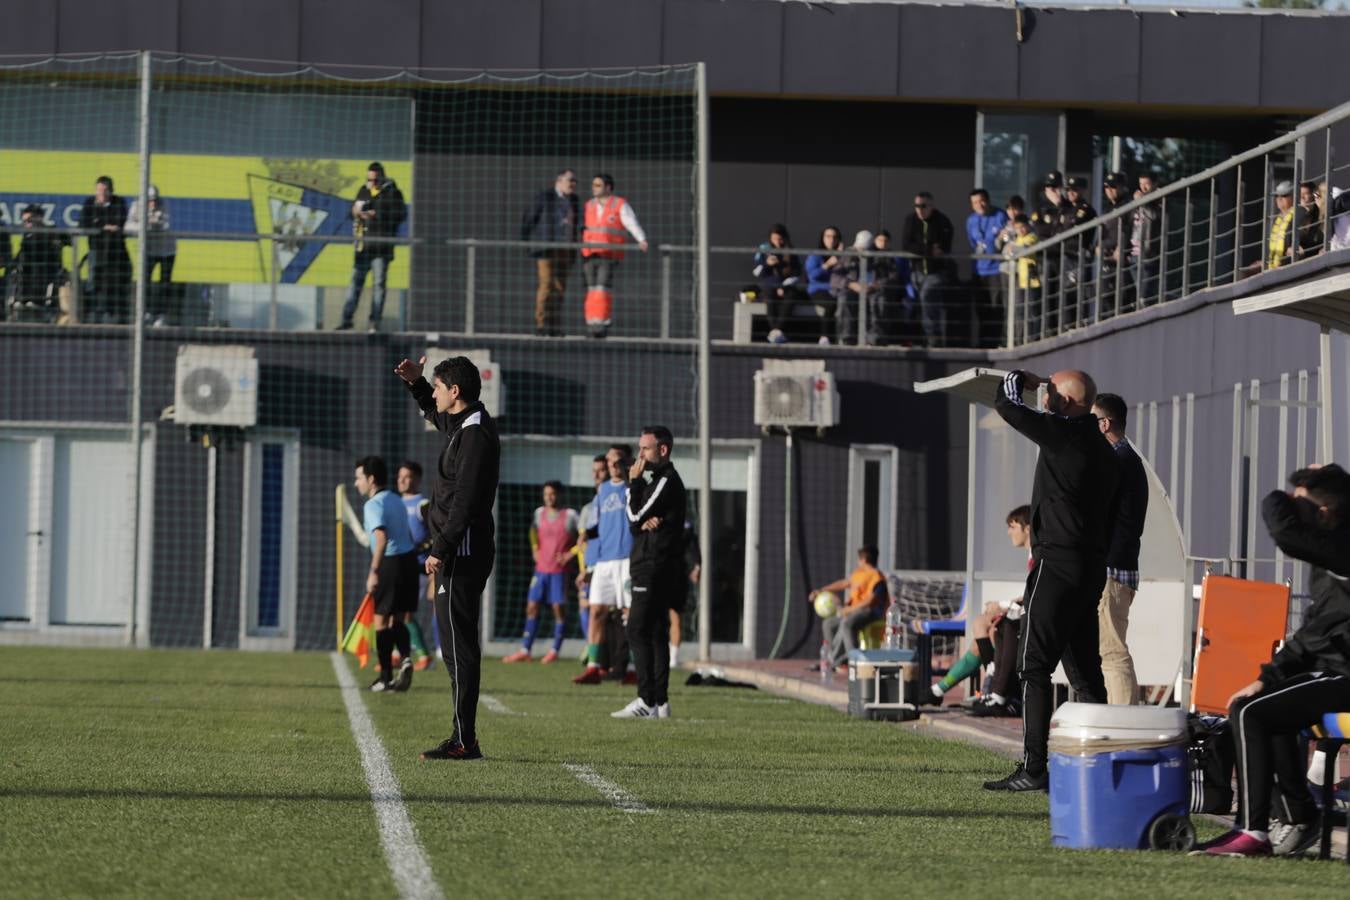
(462, 530)
(656, 514)
(1076, 478)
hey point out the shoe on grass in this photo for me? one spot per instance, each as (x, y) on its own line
(592, 675)
(638, 709)
(379, 686)
(1234, 843)
(663, 710)
(550, 656)
(518, 656)
(403, 680)
(452, 749)
(1294, 839)
(1008, 709)
(1020, 781)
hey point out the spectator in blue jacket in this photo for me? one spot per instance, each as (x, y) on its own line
(983, 226)
(819, 267)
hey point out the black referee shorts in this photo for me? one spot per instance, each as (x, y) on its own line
(397, 591)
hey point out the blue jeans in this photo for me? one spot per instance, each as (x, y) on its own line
(364, 264)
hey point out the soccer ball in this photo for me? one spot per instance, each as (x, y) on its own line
(826, 603)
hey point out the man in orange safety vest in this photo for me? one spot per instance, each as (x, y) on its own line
(608, 217)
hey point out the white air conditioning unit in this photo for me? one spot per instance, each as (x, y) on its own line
(493, 394)
(796, 399)
(216, 385)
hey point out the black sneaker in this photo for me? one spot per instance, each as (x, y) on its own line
(343, 326)
(928, 698)
(451, 748)
(1020, 781)
(1008, 709)
(403, 680)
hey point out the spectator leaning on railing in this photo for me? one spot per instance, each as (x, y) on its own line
(928, 236)
(36, 272)
(983, 227)
(377, 212)
(1114, 245)
(1146, 240)
(553, 217)
(104, 214)
(1310, 233)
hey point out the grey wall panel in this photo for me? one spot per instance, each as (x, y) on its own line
(740, 40)
(1288, 49)
(386, 33)
(847, 196)
(1201, 59)
(504, 34)
(251, 29)
(30, 27)
(849, 51)
(600, 33)
(1078, 57)
(90, 26)
(977, 44)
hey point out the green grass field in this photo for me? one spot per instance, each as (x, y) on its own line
(156, 773)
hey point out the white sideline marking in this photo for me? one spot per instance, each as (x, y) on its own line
(497, 706)
(407, 862)
(616, 795)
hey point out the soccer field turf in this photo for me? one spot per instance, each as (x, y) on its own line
(155, 773)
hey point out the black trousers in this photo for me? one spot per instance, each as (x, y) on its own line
(654, 593)
(1265, 732)
(1007, 642)
(1059, 625)
(459, 593)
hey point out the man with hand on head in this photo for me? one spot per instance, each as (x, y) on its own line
(656, 513)
(462, 530)
(1076, 477)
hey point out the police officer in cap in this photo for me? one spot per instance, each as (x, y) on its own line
(1115, 243)
(1078, 251)
(1052, 216)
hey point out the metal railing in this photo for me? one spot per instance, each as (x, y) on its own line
(1212, 228)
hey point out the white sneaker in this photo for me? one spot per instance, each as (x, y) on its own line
(663, 710)
(823, 341)
(776, 336)
(635, 710)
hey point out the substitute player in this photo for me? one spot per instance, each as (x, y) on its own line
(553, 533)
(392, 580)
(608, 220)
(463, 535)
(608, 548)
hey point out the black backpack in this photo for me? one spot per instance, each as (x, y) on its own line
(1212, 758)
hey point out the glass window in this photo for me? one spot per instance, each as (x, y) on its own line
(1016, 151)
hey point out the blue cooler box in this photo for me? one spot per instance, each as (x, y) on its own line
(1119, 778)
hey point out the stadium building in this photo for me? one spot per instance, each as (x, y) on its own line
(816, 114)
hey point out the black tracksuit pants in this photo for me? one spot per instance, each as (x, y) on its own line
(459, 594)
(1059, 625)
(654, 593)
(1007, 642)
(1265, 732)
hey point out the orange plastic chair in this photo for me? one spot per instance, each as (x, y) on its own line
(1241, 623)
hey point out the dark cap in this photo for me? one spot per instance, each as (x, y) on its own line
(1054, 180)
(1116, 180)
(1077, 184)
(375, 167)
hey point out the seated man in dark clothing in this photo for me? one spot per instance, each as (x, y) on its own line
(37, 268)
(1308, 677)
(778, 274)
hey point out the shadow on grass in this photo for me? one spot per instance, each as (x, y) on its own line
(499, 801)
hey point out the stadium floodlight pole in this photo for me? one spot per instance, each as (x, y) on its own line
(138, 340)
(705, 579)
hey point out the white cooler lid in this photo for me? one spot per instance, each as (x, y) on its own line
(1100, 722)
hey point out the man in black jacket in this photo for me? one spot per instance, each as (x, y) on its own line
(1308, 677)
(1076, 477)
(377, 212)
(462, 530)
(1114, 275)
(105, 214)
(928, 235)
(656, 512)
(553, 217)
(1129, 508)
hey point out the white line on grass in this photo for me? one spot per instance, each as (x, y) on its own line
(407, 862)
(497, 706)
(616, 795)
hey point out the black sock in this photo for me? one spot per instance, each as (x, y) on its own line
(403, 641)
(985, 648)
(384, 647)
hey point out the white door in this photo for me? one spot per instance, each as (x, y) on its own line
(19, 531)
(92, 487)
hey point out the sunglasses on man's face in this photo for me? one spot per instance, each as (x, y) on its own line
(920, 205)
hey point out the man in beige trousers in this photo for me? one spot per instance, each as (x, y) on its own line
(1122, 559)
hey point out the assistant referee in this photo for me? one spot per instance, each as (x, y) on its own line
(1076, 475)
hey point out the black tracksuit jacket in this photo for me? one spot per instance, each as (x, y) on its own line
(1076, 478)
(1323, 643)
(460, 514)
(661, 549)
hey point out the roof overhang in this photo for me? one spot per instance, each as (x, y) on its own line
(1322, 301)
